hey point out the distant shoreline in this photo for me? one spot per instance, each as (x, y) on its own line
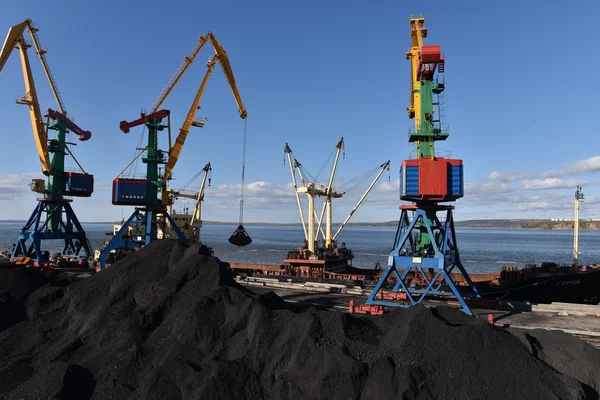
(529, 224)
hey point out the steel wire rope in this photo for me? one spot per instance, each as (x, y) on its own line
(585, 243)
(325, 164)
(70, 149)
(139, 146)
(243, 173)
(192, 179)
(305, 172)
(354, 182)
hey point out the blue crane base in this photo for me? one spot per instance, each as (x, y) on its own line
(29, 243)
(421, 244)
(133, 241)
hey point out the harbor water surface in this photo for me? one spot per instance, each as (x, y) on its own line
(481, 249)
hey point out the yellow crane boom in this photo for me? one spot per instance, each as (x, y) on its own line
(15, 39)
(221, 56)
(184, 66)
(418, 32)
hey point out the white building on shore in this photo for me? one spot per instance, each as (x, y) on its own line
(572, 219)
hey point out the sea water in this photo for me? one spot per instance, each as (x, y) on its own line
(481, 249)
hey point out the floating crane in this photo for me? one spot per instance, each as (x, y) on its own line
(329, 255)
(144, 193)
(60, 222)
(423, 240)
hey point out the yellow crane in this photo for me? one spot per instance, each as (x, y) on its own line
(144, 192)
(16, 40)
(223, 59)
(61, 222)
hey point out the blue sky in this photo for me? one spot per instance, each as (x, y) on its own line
(518, 105)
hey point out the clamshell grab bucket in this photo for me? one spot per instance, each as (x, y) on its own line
(240, 237)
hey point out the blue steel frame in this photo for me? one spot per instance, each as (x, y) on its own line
(118, 241)
(69, 230)
(443, 261)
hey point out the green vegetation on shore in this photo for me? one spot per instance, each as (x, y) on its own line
(561, 225)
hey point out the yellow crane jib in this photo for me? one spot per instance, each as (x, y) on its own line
(53, 218)
(222, 58)
(221, 55)
(15, 39)
(184, 66)
(418, 31)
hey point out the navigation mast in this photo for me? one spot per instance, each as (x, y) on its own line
(578, 199)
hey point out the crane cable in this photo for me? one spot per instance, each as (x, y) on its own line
(354, 182)
(243, 174)
(240, 237)
(139, 145)
(324, 165)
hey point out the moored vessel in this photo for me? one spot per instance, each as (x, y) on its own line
(545, 283)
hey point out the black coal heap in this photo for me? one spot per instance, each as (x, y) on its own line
(170, 323)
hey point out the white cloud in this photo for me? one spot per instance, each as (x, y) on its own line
(502, 195)
(254, 190)
(16, 185)
(551, 183)
(591, 164)
(275, 197)
(386, 187)
(549, 179)
(102, 184)
(508, 176)
(511, 194)
(486, 188)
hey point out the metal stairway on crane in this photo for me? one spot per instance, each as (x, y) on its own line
(53, 218)
(425, 250)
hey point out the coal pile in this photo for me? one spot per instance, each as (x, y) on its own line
(16, 284)
(169, 323)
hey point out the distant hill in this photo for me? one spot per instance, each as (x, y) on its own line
(527, 224)
(389, 223)
(495, 223)
(473, 223)
(562, 225)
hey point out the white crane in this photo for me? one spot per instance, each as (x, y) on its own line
(313, 189)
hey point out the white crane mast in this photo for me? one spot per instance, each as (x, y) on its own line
(313, 189)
